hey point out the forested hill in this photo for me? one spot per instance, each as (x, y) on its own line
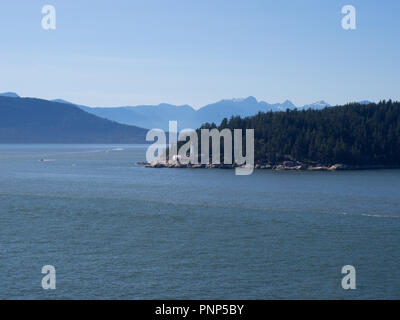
(352, 134)
(27, 120)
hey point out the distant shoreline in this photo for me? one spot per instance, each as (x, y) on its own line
(284, 166)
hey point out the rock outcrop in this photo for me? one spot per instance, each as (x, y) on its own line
(286, 165)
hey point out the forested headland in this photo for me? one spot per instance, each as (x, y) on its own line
(352, 134)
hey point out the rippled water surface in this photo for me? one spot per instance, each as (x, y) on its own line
(114, 229)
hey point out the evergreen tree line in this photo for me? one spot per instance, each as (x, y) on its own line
(351, 134)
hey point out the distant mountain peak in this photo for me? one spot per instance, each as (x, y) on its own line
(251, 99)
(172, 105)
(364, 102)
(163, 104)
(9, 94)
(287, 104)
(318, 105)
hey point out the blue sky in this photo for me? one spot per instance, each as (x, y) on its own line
(114, 53)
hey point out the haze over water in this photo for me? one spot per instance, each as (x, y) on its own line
(114, 229)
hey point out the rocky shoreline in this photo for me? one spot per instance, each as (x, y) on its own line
(286, 165)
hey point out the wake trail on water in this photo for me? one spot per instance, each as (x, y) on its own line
(85, 152)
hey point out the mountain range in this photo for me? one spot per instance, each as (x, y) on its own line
(157, 116)
(30, 120)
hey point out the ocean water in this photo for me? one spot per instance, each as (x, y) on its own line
(116, 230)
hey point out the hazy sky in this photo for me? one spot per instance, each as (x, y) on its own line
(114, 53)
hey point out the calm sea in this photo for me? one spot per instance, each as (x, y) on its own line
(113, 229)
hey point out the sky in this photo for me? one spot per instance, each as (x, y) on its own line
(127, 52)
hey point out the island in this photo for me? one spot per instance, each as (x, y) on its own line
(350, 137)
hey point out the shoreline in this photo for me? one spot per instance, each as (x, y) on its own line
(284, 166)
